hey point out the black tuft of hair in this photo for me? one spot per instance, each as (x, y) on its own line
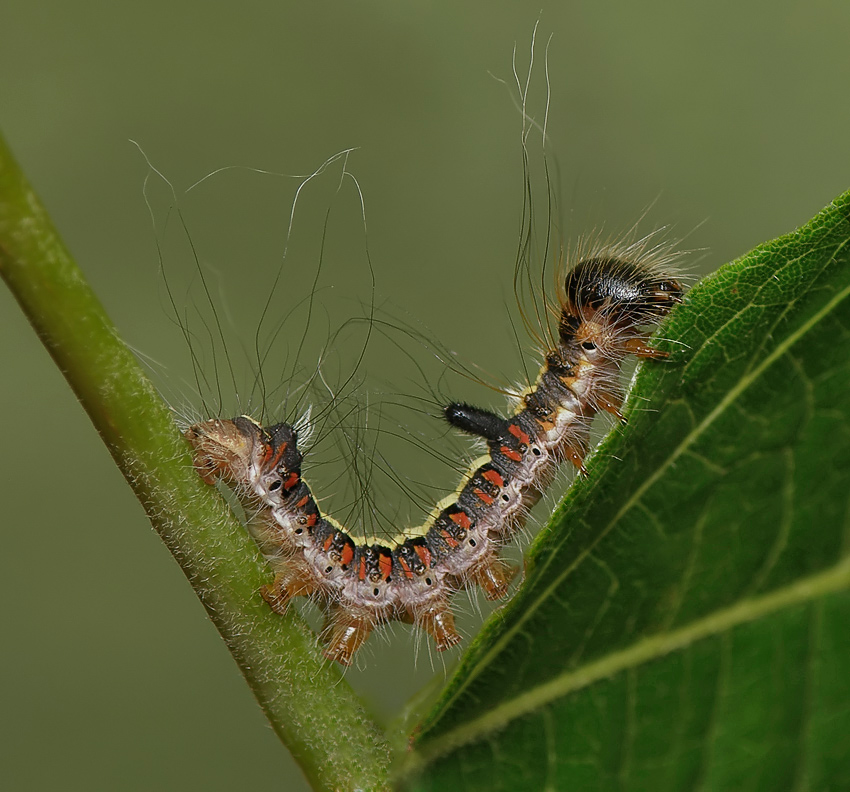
(476, 421)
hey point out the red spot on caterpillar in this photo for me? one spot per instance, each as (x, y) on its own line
(511, 454)
(385, 563)
(488, 499)
(494, 477)
(450, 540)
(424, 554)
(461, 518)
(361, 571)
(291, 481)
(405, 567)
(271, 461)
(303, 502)
(347, 554)
(328, 543)
(519, 434)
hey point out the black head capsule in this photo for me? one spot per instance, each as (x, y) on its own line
(622, 290)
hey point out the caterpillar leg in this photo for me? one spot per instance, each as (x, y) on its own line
(494, 576)
(639, 347)
(576, 455)
(610, 403)
(284, 587)
(344, 633)
(438, 621)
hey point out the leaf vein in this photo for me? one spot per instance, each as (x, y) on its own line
(714, 718)
(719, 623)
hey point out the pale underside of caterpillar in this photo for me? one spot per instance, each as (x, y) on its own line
(609, 302)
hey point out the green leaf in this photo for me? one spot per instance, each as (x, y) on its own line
(684, 622)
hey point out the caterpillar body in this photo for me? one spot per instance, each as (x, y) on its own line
(608, 303)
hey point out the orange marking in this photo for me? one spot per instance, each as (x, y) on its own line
(291, 481)
(405, 567)
(385, 563)
(347, 554)
(450, 540)
(361, 573)
(461, 519)
(424, 554)
(511, 454)
(494, 478)
(312, 520)
(519, 434)
(277, 455)
(328, 543)
(488, 499)
(302, 502)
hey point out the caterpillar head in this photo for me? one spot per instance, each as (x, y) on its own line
(620, 291)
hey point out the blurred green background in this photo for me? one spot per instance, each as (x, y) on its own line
(729, 121)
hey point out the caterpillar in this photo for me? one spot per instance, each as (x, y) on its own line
(608, 303)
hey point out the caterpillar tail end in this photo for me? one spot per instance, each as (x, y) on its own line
(222, 450)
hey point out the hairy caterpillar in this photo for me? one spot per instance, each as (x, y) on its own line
(608, 302)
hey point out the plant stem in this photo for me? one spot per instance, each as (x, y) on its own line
(312, 709)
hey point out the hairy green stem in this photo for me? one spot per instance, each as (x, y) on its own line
(310, 706)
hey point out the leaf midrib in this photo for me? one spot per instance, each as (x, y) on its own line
(836, 578)
(731, 396)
